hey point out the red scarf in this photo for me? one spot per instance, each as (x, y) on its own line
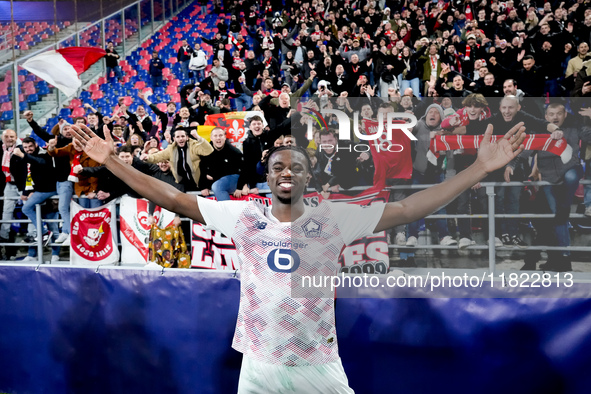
(469, 51)
(268, 62)
(73, 177)
(541, 142)
(6, 162)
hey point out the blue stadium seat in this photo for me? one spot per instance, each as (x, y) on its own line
(8, 115)
(43, 90)
(65, 112)
(51, 122)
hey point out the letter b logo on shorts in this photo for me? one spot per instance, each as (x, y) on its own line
(283, 260)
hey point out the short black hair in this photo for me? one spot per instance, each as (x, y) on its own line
(28, 140)
(296, 148)
(125, 148)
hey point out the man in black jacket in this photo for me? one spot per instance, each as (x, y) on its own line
(336, 167)
(112, 61)
(254, 145)
(43, 175)
(184, 57)
(221, 169)
(155, 70)
(62, 169)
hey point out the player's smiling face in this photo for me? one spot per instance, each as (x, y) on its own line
(288, 175)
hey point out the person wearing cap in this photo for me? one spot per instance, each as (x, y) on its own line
(205, 106)
(472, 52)
(285, 88)
(323, 90)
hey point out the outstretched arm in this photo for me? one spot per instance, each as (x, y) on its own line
(158, 192)
(491, 156)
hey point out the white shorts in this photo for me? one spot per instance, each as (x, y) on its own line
(261, 378)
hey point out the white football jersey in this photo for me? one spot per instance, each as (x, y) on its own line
(279, 322)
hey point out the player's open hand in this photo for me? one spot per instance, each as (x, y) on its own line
(98, 149)
(494, 155)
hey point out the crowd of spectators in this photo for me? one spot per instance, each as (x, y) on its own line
(457, 66)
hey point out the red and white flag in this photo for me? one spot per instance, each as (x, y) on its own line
(93, 239)
(135, 228)
(62, 67)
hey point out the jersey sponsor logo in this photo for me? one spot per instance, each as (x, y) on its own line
(283, 260)
(312, 228)
(260, 225)
(285, 244)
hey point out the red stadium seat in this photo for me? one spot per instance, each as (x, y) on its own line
(161, 107)
(78, 112)
(143, 63)
(75, 103)
(101, 81)
(139, 85)
(8, 106)
(97, 94)
(171, 89)
(93, 88)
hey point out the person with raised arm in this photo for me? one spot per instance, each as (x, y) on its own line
(291, 342)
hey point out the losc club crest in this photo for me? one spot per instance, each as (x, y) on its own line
(92, 238)
(312, 228)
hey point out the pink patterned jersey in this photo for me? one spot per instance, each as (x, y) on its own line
(279, 322)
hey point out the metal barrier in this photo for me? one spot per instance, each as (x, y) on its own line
(491, 216)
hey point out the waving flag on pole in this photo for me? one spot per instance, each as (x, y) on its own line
(62, 67)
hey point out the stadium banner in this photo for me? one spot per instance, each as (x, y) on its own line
(368, 254)
(212, 250)
(235, 124)
(135, 226)
(167, 247)
(120, 330)
(94, 234)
